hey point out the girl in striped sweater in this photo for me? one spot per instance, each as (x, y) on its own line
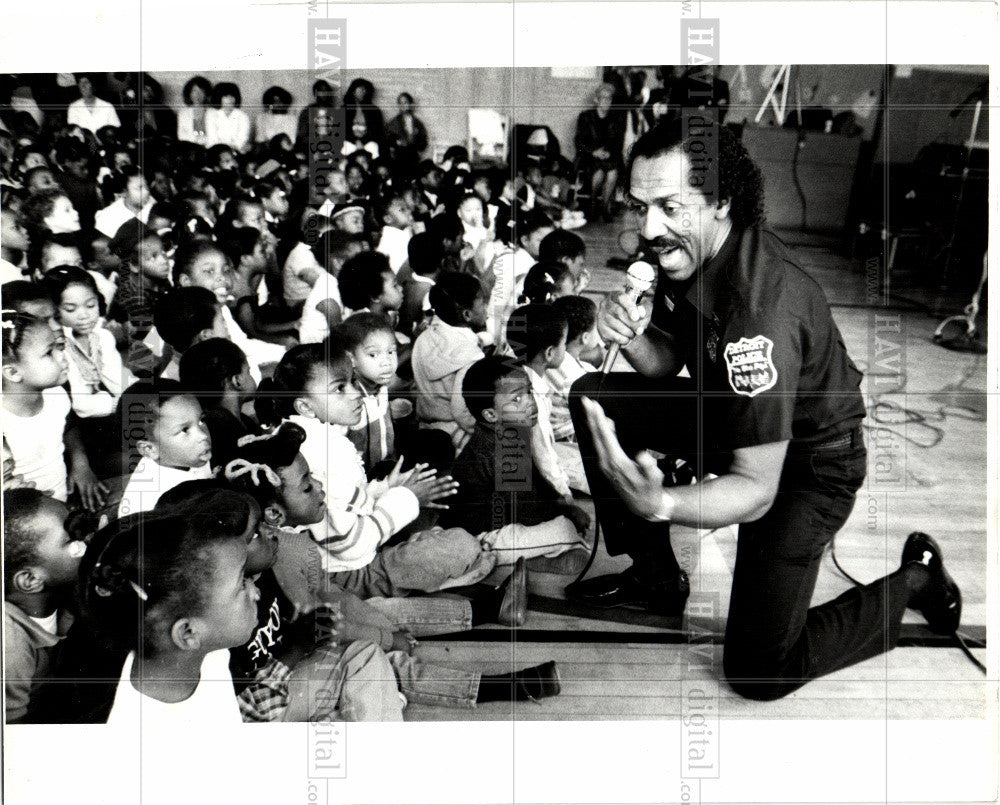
(313, 387)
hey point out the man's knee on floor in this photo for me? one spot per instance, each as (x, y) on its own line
(763, 682)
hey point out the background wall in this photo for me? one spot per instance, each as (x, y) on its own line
(528, 95)
(921, 97)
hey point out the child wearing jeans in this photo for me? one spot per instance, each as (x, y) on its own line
(313, 388)
(166, 431)
(40, 566)
(36, 425)
(292, 632)
(443, 352)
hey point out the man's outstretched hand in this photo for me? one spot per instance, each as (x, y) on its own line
(639, 483)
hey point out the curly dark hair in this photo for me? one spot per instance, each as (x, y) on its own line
(740, 180)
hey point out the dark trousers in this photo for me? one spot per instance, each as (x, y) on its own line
(774, 642)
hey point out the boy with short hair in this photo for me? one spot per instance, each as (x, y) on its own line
(396, 218)
(168, 441)
(40, 566)
(185, 317)
(368, 283)
(425, 258)
(144, 278)
(497, 392)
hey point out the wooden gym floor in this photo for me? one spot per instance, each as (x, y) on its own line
(926, 433)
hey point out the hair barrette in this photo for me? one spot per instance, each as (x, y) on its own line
(240, 466)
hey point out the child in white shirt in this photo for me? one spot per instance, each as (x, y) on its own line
(166, 432)
(313, 389)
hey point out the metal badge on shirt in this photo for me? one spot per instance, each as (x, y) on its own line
(750, 366)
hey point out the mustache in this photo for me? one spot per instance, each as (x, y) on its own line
(661, 242)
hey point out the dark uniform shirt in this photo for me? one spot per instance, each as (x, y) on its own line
(756, 334)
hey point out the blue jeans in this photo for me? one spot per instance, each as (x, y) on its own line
(422, 682)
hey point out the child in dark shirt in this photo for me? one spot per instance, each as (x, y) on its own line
(498, 482)
(217, 373)
(40, 564)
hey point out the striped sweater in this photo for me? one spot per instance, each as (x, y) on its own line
(361, 514)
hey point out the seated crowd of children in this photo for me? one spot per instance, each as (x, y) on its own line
(257, 442)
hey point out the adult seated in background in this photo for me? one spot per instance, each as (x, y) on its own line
(317, 117)
(405, 139)
(227, 124)
(360, 97)
(144, 115)
(274, 118)
(600, 134)
(90, 112)
(191, 120)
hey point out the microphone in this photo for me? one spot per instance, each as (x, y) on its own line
(638, 280)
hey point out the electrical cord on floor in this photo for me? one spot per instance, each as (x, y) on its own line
(960, 638)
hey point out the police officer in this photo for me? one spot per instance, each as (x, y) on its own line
(771, 408)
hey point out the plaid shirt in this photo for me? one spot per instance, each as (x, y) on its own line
(266, 698)
(134, 300)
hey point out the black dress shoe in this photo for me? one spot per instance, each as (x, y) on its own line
(940, 602)
(666, 597)
(514, 603)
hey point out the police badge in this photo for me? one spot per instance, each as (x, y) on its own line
(750, 366)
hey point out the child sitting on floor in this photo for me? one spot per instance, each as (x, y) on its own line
(368, 284)
(372, 345)
(41, 436)
(144, 278)
(537, 336)
(313, 389)
(40, 566)
(96, 374)
(292, 642)
(217, 373)
(418, 277)
(173, 592)
(323, 308)
(498, 393)
(168, 441)
(443, 352)
(184, 317)
(560, 246)
(584, 353)
(397, 228)
(204, 264)
(546, 282)
(291, 668)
